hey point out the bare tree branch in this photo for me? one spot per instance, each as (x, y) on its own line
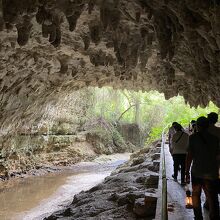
(128, 98)
(125, 111)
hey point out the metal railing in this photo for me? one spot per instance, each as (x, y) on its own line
(164, 213)
(161, 210)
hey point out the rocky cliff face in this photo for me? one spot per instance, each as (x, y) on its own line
(51, 47)
(131, 133)
(61, 145)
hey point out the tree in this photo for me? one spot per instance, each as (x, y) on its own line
(149, 110)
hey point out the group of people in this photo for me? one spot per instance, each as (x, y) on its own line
(198, 150)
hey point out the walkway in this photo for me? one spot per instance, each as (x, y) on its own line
(176, 194)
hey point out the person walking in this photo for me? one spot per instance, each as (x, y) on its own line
(203, 150)
(214, 130)
(192, 127)
(178, 150)
(171, 132)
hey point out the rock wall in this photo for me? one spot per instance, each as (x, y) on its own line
(131, 133)
(59, 146)
(48, 48)
(23, 153)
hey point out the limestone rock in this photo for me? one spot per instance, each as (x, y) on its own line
(152, 181)
(145, 207)
(119, 196)
(131, 133)
(52, 48)
(137, 161)
(156, 156)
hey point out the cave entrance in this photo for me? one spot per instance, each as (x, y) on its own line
(98, 121)
(82, 124)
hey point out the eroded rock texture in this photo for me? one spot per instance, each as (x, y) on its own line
(63, 143)
(52, 47)
(130, 193)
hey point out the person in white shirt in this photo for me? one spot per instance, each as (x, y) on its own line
(180, 141)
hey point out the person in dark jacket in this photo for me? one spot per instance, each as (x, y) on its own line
(203, 151)
(214, 130)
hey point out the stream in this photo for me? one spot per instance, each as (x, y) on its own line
(36, 197)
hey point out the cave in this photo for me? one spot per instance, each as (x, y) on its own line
(51, 48)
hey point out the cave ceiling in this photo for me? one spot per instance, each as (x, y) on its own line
(49, 48)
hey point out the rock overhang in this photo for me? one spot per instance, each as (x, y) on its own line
(51, 48)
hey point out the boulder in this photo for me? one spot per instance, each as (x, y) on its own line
(156, 156)
(152, 181)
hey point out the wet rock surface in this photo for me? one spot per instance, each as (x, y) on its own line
(51, 48)
(130, 192)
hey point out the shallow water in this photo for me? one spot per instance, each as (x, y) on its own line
(37, 197)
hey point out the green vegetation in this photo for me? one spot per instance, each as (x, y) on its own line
(149, 110)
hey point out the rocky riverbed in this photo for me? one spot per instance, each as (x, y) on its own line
(130, 192)
(36, 197)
